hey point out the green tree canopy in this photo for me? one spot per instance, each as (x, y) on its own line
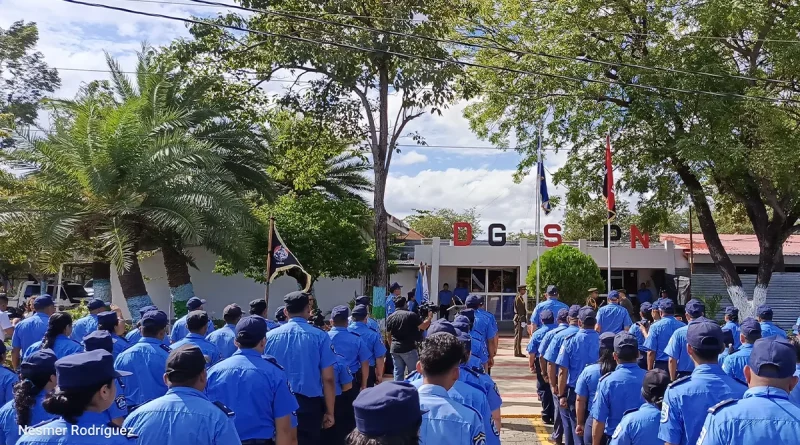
(439, 222)
(568, 268)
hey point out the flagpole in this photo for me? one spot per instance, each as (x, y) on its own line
(608, 221)
(269, 257)
(538, 210)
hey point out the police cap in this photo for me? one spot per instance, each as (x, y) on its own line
(546, 316)
(731, 310)
(251, 329)
(773, 357)
(232, 311)
(387, 409)
(591, 289)
(40, 363)
(695, 308)
(750, 327)
(464, 338)
(145, 309)
(365, 300)
(395, 286)
(155, 320)
(340, 313)
(296, 302)
(185, 363)
(99, 339)
(705, 335)
(607, 341)
(624, 341)
(727, 336)
(42, 302)
(563, 313)
(359, 312)
(258, 306)
(279, 314)
(765, 312)
(655, 384)
(552, 290)
(667, 306)
(473, 302)
(613, 296)
(656, 305)
(108, 318)
(442, 326)
(587, 314)
(95, 303)
(86, 369)
(645, 307)
(470, 314)
(196, 320)
(194, 303)
(574, 310)
(461, 326)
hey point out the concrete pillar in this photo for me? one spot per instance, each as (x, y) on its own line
(524, 262)
(583, 246)
(669, 249)
(434, 284)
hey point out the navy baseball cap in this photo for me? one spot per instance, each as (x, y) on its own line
(563, 313)
(185, 363)
(279, 314)
(552, 290)
(464, 338)
(296, 301)
(470, 314)
(473, 302)
(359, 312)
(86, 369)
(146, 309)
(750, 327)
(3, 348)
(195, 320)
(775, 351)
(573, 311)
(613, 295)
(731, 310)
(705, 335)
(251, 329)
(258, 306)
(607, 341)
(194, 303)
(387, 409)
(95, 303)
(667, 306)
(232, 310)
(645, 307)
(107, 318)
(624, 340)
(765, 312)
(340, 313)
(442, 326)
(40, 363)
(461, 326)
(462, 319)
(154, 319)
(365, 300)
(42, 302)
(655, 384)
(394, 286)
(587, 314)
(695, 308)
(98, 340)
(546, 316)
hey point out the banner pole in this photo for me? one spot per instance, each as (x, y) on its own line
(269, 257)
(539, 169)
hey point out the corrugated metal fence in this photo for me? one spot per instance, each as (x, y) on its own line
(782, 295)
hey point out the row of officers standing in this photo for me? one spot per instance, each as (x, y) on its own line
(604, 379)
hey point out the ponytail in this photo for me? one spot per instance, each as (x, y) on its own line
(72, 403)
(25, 392)
(57, 325)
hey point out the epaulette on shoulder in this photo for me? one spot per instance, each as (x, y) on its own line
(413, 376)
(44, 422)
(604, 376)
(569, 336)
(477, 386)
(357, 335)
(470, 370)
(633, 410)
(372, 329)
(471, 409)
(721, 405)
(478, 370)
(272, 360)
(224, 409)
(680, 381)
(165, 347)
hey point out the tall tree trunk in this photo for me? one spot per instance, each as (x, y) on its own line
(381, 171)
(134, 289)
(180, 282)
(101, 280)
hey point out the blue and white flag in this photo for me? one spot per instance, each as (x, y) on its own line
(545, 197)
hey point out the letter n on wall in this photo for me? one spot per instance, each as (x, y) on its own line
(637, 236)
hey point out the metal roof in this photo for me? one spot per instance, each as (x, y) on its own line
(734, 244)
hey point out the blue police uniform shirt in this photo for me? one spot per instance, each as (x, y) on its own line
(303, 370)
(734, 328)
(644, 295)
(638, 427)
(373, 324)
(475, 376)
(636, 331)
(676, 348)
(372, 339)
(734, 364)
(29, 331)
(255, 388)
(768, 329)
(548, 337)
(224, 338)
(60, 432)
(179, 329)
(119, 407)
(182, 416)
(271, 324)
(659, 335)
(134, 335)
(578, 351)
(536, 338)
(445, 297)
(461, 293)
(613, 318)
(7, 380)
(617, 392)
(147, 361)
(390, 308)
(478, 346)
(62, 347)
(473, 397)
(350, 346)
(210, 352)
(412, 305)
(341, 374)
(794, 396)
(120, 345)
(487, 319)
(9, 429)
(83, 327)
(764, 415)
(552, 304)
(687, 400)
(551, 354)
(448, 422)
(586, 386)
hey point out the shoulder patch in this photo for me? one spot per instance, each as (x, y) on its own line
(680, 381)
(224, 409)
(604, 376)
(272, 360)
(479, 439)
(120, 402)
(165, 347)
(721, 405)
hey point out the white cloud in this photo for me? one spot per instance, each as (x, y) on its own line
(410, 158)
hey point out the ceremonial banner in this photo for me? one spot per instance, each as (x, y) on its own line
(281, 259)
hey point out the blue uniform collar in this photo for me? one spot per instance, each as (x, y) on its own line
(339, 329)
(708, 369)
(185, 390)
(93, 418)
(587, 330)
(562, 325)
(151, 340)
(746, 346)
(62, 337)
(435, 390)
(42, 315)
(247, 352)
(193, 335)
(298, 320)
(766, 391)
(232, 326)
(627, 366)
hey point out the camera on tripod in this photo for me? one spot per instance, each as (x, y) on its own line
(426, 307)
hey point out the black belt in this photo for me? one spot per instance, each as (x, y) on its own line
(258, 442)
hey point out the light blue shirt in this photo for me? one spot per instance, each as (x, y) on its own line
(210, 352)
(304, 370)
(120, 345)
(536, 338)
(552, 304)
(551, 354)
(617, 392)
(638, 427)
(473, 397)
(224, 338)
(676, 348)
(587, 384)
(134, 336)
(734, 328)
(659, 335)
(182, 416)
(46, 434)
(147, 361)
(62, 347)
(764, 415)
(636, 331)
(29, 331)
(548, 337)
(445, 297)
(578, 351)
(613, 318)
(688, 399)
(341, 373)
(371, 338)
(119, 407)
(485, 323)
(179, 329)
(734, 364)
(478, 347)
(255, 388)
(350, 346)
(477, 377)
(794, 396)
(446, 421)
(768, 329)
(83, 327)
(9, 429)
(390, 308)
(7, 380)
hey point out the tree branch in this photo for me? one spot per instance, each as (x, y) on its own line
(373, 132)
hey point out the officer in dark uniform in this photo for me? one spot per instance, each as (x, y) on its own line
(146, 360)
(520, 317)
(764, 415)
(255, 388)
(306, 354)
(197, 324)
(387, 413)
(639, 426)
(184, 415)
(119, 409)
(224, 338)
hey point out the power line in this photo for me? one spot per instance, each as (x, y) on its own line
(650, 88)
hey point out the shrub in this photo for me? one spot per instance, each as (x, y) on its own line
(568, 268)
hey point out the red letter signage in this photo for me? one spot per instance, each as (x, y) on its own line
(552, 235)
(467, 238)
(640, 237)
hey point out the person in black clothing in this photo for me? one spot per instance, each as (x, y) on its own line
(406, 329)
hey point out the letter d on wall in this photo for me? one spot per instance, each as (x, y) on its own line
(467, 237)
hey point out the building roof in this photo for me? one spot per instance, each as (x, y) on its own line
(734, 244)
(412, 235)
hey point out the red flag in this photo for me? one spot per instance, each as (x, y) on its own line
(608, 182)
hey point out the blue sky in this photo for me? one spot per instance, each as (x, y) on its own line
(75, 36)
